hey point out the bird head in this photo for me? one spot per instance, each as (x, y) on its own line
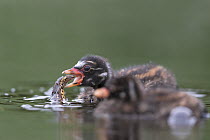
(91, 71)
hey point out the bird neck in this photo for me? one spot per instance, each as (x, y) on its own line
(105, 76)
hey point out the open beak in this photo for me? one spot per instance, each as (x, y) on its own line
(78, 76)
(101, 93)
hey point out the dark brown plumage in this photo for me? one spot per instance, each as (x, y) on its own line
(151, 76)
(93, 71)
(126, 95)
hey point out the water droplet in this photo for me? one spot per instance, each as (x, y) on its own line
(48, 92)
(31, 91)
(13, 90)
(41, 89)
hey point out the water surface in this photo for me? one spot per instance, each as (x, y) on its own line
(29, 114)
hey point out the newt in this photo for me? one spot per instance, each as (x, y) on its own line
(58, 93)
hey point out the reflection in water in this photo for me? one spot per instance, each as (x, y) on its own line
(112, 129)
(79, 124)
(76, 121)
(76, 124)
(128, 129)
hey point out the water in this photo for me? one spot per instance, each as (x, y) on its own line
(39, 39)
(31, 115)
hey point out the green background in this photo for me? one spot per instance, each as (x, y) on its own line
(41, 38)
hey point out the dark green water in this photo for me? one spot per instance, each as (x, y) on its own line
(39, 39)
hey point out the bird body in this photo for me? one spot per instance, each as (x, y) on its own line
(151, 75)
(148, 91)
(126, 95)
(94, 71)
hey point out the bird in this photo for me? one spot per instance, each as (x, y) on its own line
(125, 95)
(94, 71)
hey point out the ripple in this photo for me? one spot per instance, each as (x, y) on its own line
(48, 107)
(37, 97)
(199, 93)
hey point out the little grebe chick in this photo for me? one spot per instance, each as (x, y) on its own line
(93, 71)
(126, 95)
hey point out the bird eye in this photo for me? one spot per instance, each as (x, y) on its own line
(86, 68)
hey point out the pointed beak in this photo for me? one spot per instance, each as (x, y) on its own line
(101, 93)
(72, 71)
(78, 76)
